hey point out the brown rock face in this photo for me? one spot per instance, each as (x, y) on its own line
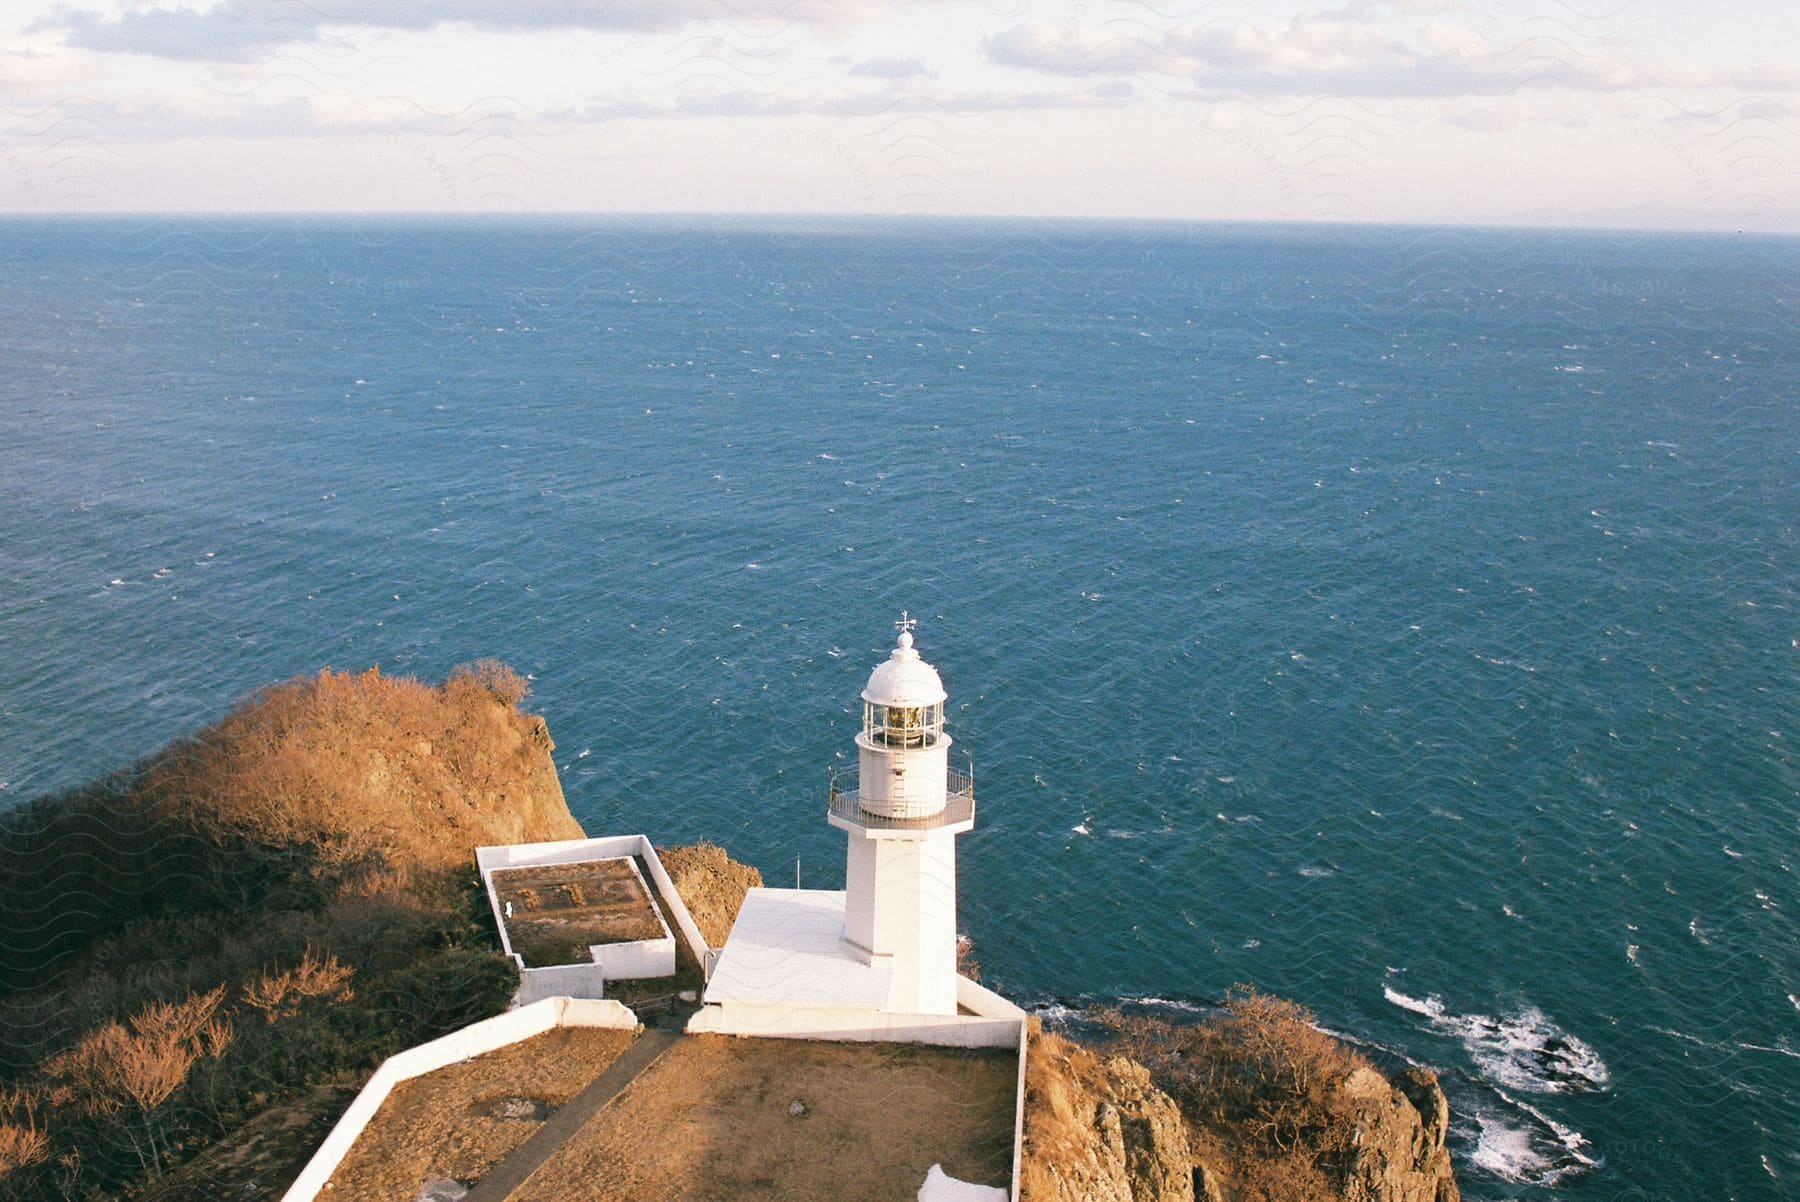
(1099, 1131)
(1400, 1154)
(711, 884)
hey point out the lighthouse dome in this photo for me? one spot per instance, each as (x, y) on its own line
(903, 679)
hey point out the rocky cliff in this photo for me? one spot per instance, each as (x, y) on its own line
(1099, 1129)
(1399, 1145)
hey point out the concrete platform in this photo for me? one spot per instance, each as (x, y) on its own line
(787, 946)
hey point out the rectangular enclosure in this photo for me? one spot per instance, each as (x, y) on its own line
(554, 913)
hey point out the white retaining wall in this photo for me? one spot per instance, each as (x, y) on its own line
(611, 961)
(996, 1023)
(984, 1001)
(470, 1041)
(559, 980)
(684, 922)
(1018, 1166)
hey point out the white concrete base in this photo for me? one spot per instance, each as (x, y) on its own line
(473, 1040)
(847, 1025)
(993, 1023)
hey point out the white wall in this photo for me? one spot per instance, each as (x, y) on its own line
(900, 901)
(560, 980)
(849, 1025)
(642, 958)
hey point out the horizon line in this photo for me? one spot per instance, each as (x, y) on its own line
(804, 215)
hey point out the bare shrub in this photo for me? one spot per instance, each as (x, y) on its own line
(494, 678)
(140, 1065)
(23, 1143)
(278, 995)
(966, 963)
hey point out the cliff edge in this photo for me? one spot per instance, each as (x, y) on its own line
(1253, 1105)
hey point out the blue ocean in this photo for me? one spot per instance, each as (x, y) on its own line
(1404, 620)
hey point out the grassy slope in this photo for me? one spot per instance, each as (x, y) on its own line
(272, 905)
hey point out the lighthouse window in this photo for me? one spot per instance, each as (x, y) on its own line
(906, 724)
(903, 725)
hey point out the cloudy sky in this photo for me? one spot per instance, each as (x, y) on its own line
(1612, 113)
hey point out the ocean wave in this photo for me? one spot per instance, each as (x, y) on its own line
(1523, 1050)
(1526, 1146)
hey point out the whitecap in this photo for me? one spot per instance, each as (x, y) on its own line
(1431, 1007)
(1165, 1003)
(1506, 1151)
(1540, 1151)
(1082, 828)
(1314, 872)
(1523, 1050)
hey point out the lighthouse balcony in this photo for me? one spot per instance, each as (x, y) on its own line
(845, 808)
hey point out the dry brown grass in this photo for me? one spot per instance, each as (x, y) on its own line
(711, 883)
(709, 1120)
(454, 1122)
(1062, 1082)
(351, 764)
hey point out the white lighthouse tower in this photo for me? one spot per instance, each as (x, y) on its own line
(876, 959)
(902, 814)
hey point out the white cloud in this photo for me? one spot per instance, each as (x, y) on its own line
(891, 68)
(245, 30)
(1356, 51)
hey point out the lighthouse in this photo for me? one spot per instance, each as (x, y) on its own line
(877, 958)
(902, 812)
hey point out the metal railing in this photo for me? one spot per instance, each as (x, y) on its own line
(845, 801)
